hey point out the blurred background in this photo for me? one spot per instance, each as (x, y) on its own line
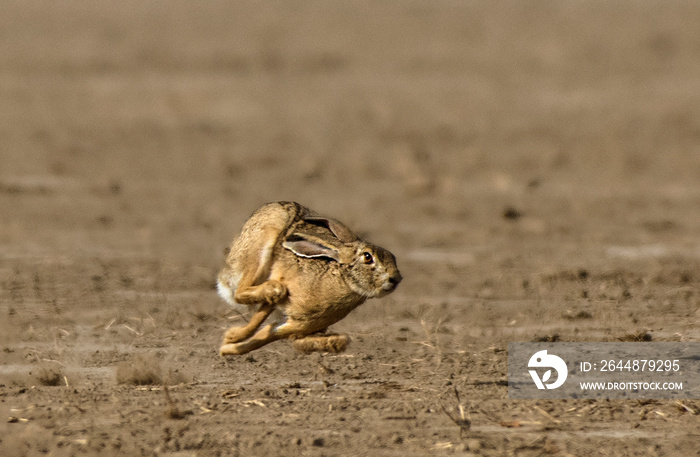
(534, 166)
(156, 128)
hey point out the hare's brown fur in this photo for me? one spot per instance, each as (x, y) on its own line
(313, 269)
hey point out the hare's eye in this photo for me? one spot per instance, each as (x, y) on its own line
(368, 258)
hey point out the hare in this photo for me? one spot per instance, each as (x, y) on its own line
(311, 268)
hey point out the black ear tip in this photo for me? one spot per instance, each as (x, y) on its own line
(338, 229)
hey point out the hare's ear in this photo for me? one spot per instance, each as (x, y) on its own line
(304, 247)
(338, 229)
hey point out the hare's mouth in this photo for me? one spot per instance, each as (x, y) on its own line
(390, 283)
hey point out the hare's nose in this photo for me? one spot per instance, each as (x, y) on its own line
(395, 280)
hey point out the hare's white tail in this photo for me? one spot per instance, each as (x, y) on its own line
(226, 290)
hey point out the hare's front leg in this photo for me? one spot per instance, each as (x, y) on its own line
(265, 335)
(236, 334)
(322, 343)
(291, 329)
(267, 294)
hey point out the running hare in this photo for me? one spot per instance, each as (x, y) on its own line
(311, 268)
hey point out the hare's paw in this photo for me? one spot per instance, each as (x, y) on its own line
(273, 292)
(232, 349)
(269, 293)
(235, 335)
(336, 343)
(322, 343)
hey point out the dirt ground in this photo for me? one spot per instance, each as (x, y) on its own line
(534, 166)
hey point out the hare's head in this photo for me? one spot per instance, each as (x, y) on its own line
(372, 272)
(368, 270)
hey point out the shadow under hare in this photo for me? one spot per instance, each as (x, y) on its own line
(312, 269)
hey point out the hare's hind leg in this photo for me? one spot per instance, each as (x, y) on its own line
(245, 278)
(265, 335)
(236, 334)
(322, 343)
(253, 288)
(270, 292)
